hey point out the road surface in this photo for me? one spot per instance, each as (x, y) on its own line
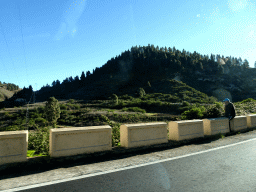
(226, 164)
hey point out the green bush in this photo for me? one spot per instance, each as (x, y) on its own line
(34, 115)
(40, 109)
(185, 103)
(39, 141)
(76, 106)
(41, 121)
(141, 92)
(52, 111)
(62, 106)
(115, 99)
(121, 104)
(126, 97)
(194, 113)
(212, 112)
(134, 109)
(248, 100)
(71, 101)
(13, 128)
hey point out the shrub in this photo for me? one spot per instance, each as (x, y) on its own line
(104, 118)
(41, 109)
(134, 109)
(126, 97)
(212, 112)
(248, 100)
(62, 106)
(12, 128)
(76, 106)
(194, 113)
(185, 103)
(39, 141)
(71, 101)
(41, 121)
(115, 99)
(141, 92)
(121, 104)
(34, 115)
(52, 110)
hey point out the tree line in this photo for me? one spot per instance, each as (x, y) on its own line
(9, 86)
(143, 64)
(146, 63)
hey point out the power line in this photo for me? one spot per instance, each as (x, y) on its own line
(25, 64)
(8, 48)
(22, 41)
(5, 69)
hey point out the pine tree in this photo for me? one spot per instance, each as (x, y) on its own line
(88, 73)
(54, 83)
(57, 82)
(82, 77)
(76, 78)
(246, 64)
(70, 79)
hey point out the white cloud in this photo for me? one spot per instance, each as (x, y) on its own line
(198, 15)
(72, 13)
(237, 5)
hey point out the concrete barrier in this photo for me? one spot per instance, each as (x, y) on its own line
(141, 134)
(79, 140)
(73, 141)
(189, 129)
(238, 123)
(251, 120)
(13, 146)
(213, 126)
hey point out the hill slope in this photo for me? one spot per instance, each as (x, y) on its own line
(6, 94)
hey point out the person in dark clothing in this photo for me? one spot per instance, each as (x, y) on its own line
(230, 112)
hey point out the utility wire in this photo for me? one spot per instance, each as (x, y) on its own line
(8, 48)
(2, 61)
(27, 116)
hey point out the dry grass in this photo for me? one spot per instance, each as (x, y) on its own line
(5, 93)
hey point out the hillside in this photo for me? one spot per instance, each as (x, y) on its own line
(5, 93)
(212, 75)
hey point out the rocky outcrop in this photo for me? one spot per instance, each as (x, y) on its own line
(221, 94)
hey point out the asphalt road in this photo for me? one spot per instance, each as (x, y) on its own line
(223, 165)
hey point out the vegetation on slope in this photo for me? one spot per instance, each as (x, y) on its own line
(136, 67)
(78, 114)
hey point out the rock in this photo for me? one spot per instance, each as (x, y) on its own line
(221, 94)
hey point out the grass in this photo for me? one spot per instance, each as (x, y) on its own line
(134, 109)
(75, 114)
(31, 153)
(110, 110)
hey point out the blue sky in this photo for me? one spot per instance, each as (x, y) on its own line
(42, 41)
